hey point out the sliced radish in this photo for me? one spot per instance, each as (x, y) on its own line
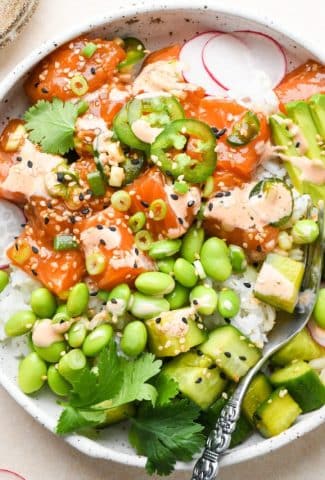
(317, 333)
(193, 67)
(268, 55)
(228, 60)
(9, 475)
(11, 220)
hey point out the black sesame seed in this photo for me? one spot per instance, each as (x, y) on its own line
(227, 320)
(195, 302)
(212, 367)
(243, 358)
(49, 205)
(72, 219)
(16, 238)
(81, 197)
(93, 294)
(30, 164)
(46, 220)
(158, 320)
(135, 265)
(136, 251)
(184, 320)
(16, 246)
(144, 204)
(219, 195)
(223, 376)
(99, 227)
(60, 177)
(35, 249)
(19, 159)
(199, 353)
(210, 206)
(112, 229)
(247, 285)
(190, 203)
(198, 380)
(227, 354)
(174, 196)
(218, 133)
(227, 194)
(297, 144)
(93, 70)
(36, 84)
(180, 220)
(258, 248)
(114, 301)
(85, 211)
(102, 241)
(23, 225)
(34, 272)
(44, 90)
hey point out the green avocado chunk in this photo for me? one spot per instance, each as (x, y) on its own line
(278, 282)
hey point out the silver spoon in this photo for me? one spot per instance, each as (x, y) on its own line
(218, 441)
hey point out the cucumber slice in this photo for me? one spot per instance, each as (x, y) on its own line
(234, 353)
(259, 390)
(175, 332)
(303, 384)
(210, 417)
(276, 414)
(278, 282)
(279, 194)
(301, 347)
(197, 376)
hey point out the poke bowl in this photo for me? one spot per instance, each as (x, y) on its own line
(91, 253)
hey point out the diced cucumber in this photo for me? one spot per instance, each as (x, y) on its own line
(175, 332)
(301, 347)
(317, 108)
(278, 282)
(234, 353)
(303, 384)
(197, 376)
(259, 390)
(276, 414)
(210, 416)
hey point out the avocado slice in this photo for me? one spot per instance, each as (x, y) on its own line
(317, 108)
(197, 376)
(278, 282)
(175, 332)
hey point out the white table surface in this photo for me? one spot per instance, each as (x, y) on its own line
(28, 448)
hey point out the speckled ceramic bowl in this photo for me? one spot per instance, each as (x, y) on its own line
(156, 25)
(14, 14)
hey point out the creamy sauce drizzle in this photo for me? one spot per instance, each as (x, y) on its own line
(45, 333)
(91, 238)
(144, 131)
(312, 171)
(273, 283)
(180, 208)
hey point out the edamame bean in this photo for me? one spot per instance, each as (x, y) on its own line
(305, 231)
(155, 283)
(145, 307)
(103, 295)
(71, 365)
(134, 338)
(56, 382)
(78, 300)
(215, 259)
(31, 373)
(4, 280)
(166, 265)
(52, 353)
(118, 299)
(205, 299)
(237, 258)
(179, 297)
(77, 334)
(185, 273)
(319, 310)
(43, 303)
(228, 303)
(62, 308)
(97, 340)
(285, 241)
(19, 323)
(192, 244)
(164, 248)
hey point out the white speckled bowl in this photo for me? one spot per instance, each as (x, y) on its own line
(156, 25)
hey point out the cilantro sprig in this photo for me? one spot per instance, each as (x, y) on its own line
(52, 124)
(166, 434)
(119, 381)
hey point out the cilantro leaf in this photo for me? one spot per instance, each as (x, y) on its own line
(166, 434)
(52, 124)
(119, 381)
(167, 389)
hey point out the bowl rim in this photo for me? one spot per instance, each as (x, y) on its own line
(81, 443)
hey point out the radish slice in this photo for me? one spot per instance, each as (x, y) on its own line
(9, 475)
(268, 55)
(11, 221)
(193, 67)
(317, 333)
(228, 60)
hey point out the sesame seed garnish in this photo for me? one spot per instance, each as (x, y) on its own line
(99, 227)
(34, 272)
(136, 251)
(30, 164)
(227, 354)
(144, 204)
(243, 358)
(184, 320)
(174, 196)
(158, 320)
(102, 241)
(180, 220)
(223, 376)
(85, 211)
(227, 194)
(46, 220)
(35, 249)
(247, 285)
(219, 195)
(44, 90)
(210, 206)
(190, 203)
(112, 229)
(19, 159)
(198, 380)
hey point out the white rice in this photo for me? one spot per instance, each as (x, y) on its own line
(16, 296)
